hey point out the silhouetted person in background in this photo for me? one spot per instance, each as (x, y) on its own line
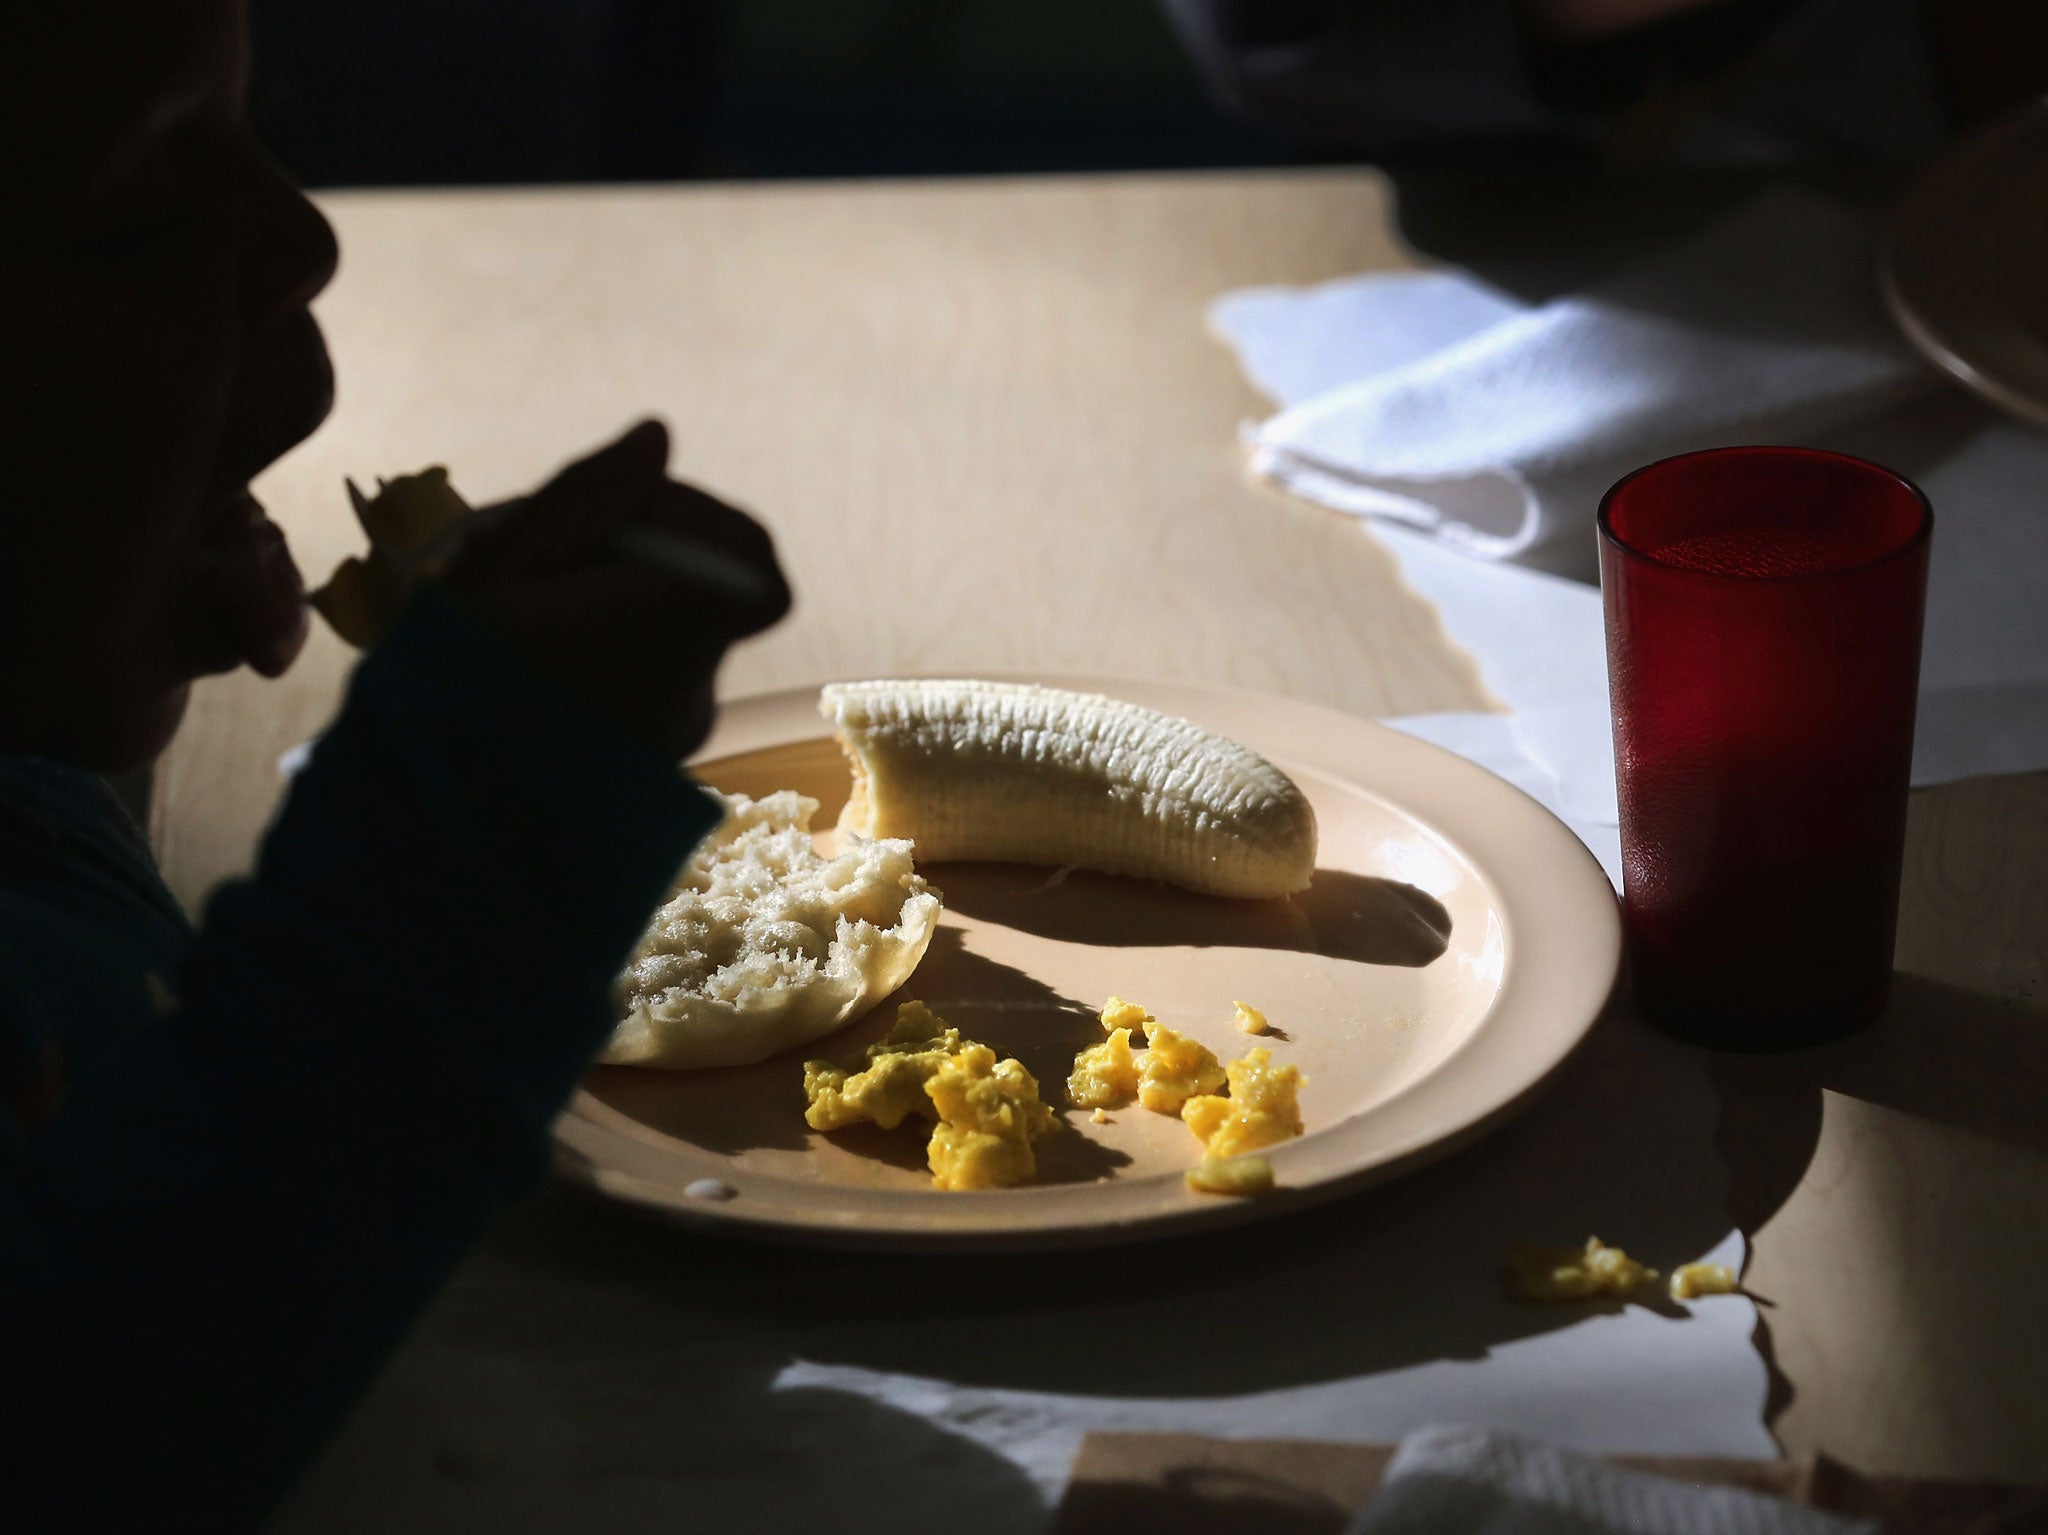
(1713, 82)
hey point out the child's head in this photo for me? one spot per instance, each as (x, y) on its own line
(155, 353)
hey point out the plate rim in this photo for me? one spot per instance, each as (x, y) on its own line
(1576, 891)
(1927, 319)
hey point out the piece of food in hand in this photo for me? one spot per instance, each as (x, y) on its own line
(1175, 1069)
(1593, 1272)
(411, 523)
(986, 1111)
(1689, 1281)
(764, 944)
(1263, 1108)
(1013, 773)
(1230, 1175)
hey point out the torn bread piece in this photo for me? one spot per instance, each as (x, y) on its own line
(765, 944)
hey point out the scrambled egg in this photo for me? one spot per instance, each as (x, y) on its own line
(1595, 1272)
(988, 1110)
(1106, 1076)
(1174, 1070)
(893, 1086)
(988, 1114)
(1231, 1175)
(1262, 1109)
(1600, 1272)
(1176, 1075)
(1689, 1281)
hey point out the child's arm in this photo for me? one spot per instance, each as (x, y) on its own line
(241, 1208)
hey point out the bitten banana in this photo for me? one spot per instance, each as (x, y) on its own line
(1014, 773)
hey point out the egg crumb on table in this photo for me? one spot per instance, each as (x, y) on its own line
(1263, 1108)
(1250, 1020)
(1689, 1281)
(1230, 1175)
(1594, 1272)
(987, 1110)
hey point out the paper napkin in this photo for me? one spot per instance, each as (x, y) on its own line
(1472, 1481)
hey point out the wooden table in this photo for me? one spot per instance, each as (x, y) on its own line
(991, 434)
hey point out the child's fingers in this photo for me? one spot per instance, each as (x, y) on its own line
(570, 517)
(699, 519)
(699, 514)
(624, 585)
(629, 640)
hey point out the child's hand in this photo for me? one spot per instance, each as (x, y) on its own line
(637, 640)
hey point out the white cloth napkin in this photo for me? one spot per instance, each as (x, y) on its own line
(1499, 436)
(1472, 1481)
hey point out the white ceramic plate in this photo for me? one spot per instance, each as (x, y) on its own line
(1457, 944)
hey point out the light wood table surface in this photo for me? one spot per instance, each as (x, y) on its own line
(991, 433)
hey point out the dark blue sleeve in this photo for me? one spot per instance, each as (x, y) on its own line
(240, 1209)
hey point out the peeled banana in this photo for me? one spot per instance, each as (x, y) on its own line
(1014, 773)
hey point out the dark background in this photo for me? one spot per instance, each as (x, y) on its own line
(420, 92)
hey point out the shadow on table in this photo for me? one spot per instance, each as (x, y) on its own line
(1950, 1054)
(602, 1428)
(1206, 1500)
(1941, 1054)
(1344, 915)
(1536, 237)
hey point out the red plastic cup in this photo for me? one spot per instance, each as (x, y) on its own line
(1763, 654)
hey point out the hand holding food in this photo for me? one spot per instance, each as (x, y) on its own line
(589, 579)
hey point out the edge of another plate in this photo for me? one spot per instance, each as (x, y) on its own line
(1934, 277)
(1563, 952)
